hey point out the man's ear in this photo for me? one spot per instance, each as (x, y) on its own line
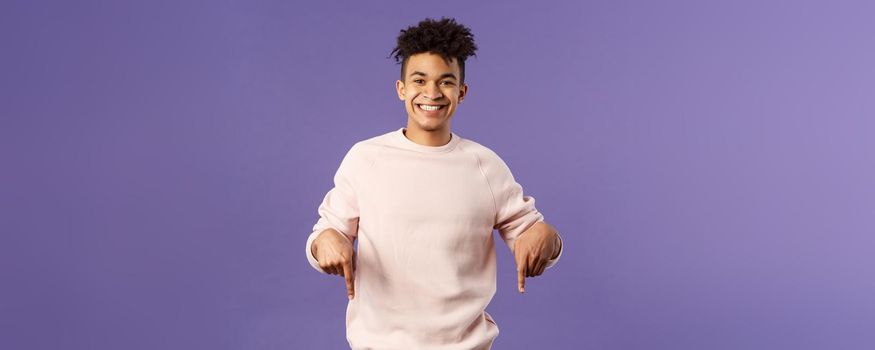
(399, 88)
(462, 92)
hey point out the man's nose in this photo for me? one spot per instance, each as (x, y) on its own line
(432, 92)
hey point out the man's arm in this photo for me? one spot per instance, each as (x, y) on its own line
(330, 244)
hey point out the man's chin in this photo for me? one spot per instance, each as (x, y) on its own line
(429, 124)
(426, 125)
(429, 128)
(432, 127)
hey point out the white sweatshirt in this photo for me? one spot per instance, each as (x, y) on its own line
(423, 217)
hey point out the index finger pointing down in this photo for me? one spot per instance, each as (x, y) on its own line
(521, 277)
(350, 280)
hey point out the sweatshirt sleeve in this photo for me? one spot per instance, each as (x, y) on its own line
(339, 209)
(515, 212)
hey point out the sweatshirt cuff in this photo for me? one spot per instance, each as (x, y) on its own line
(552, 262)
(313, 262)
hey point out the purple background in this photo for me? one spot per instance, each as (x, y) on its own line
(710, 167)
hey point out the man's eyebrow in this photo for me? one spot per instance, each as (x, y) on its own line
(445, 75)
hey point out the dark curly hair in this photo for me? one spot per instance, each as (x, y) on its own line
(444, 37)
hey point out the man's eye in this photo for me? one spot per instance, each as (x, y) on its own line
(448, 82)
(418, 81)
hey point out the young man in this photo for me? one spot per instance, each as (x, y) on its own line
(422, 203)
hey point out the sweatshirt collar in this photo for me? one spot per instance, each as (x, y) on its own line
(406, 143)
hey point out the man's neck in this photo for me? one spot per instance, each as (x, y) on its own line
(428, 138)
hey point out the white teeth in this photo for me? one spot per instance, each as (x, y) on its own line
(429, 108)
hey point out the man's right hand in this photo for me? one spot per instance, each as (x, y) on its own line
(336, 256)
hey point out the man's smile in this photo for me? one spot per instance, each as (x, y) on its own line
(427, 107)
(431, 110)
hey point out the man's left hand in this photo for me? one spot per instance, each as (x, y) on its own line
(533, 249)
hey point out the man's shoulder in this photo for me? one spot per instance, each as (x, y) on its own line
(489, 161)
(367, 149)
(380, 139)
(484, 153)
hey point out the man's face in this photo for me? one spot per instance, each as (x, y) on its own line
(431, 91)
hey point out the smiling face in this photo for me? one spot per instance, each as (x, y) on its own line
(431, 91)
